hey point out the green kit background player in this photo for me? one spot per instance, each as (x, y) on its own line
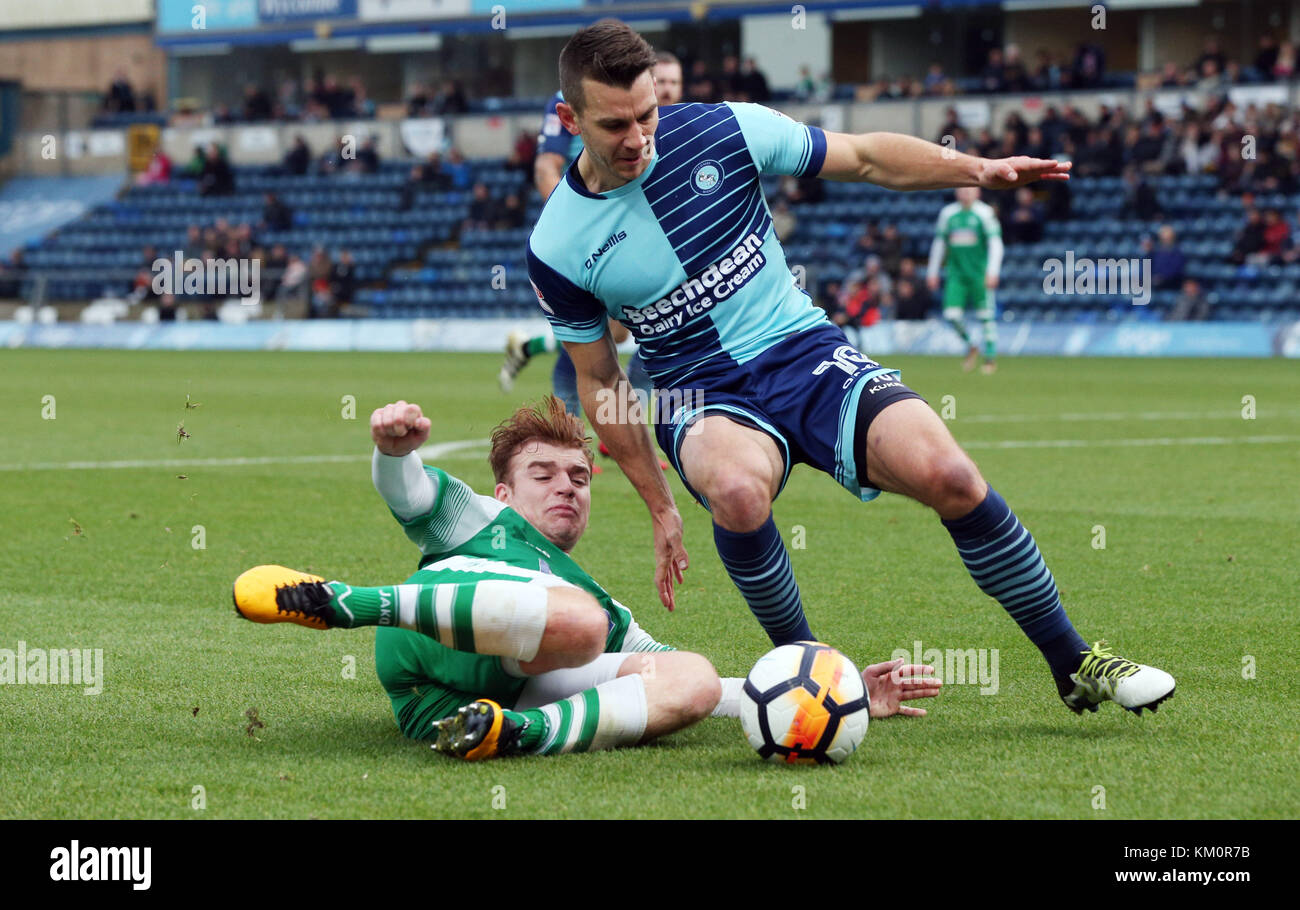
(968, 246)
(500, 643)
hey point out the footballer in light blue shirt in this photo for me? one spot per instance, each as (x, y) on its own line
(661, 224)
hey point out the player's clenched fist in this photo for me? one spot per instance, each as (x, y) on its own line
(399, 428)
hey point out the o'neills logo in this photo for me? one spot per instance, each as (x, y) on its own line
(605, 248)
(695, 295)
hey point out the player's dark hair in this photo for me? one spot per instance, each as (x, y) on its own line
(547, 421)
(666, 57)
(608, 52)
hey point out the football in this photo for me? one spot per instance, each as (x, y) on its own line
(804, 703)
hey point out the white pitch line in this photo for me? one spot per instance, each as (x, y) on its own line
(1114, 416)
(455, 449)
(469, 448)
(1103, 443)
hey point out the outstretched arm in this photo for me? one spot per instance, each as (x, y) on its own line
(906, 163)
(398, 430)
(611, 406)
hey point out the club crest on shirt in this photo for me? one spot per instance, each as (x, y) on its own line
(707, 177)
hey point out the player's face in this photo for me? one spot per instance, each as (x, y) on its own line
(967, 194)
(668, 83)
(618, 126)
(550, 486)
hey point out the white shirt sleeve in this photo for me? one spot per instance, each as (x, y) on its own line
(937, 251)
(995, 256)
(403, 483)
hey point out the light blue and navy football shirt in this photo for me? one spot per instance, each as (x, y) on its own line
(554, 138)
(684, 255)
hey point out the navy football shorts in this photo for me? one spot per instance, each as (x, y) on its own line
(813, 393)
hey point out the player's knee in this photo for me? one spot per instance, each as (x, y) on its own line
(741, 503)
(954, 483)
(701, 689)
(576, 627)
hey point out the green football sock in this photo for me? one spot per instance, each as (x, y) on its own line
(990, 326)
(612, 714)
(539, 345)
(959, 326)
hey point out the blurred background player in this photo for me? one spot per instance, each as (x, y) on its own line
(968, 246)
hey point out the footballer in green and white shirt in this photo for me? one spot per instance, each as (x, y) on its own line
(500, 643)
(968, 246)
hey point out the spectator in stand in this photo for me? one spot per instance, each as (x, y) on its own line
(828, 297)
(1015, 78)
(1171, 76)
(1168, 263)
(701, 87)
(668, 79)
(367, 157)
(1266, 56)
(272, 271)
(1250, 237)
(1140, 199)
(934, 79)
(1211, 78)
(433, 175)
(158, 171)
(524, 153)
(730, 83)
(991, 79)
(806, 88)
(417, 102)
(784, 221)
(293, 284)
(1198, 153)
(912, 298)
(167, 308)
(890, 249)
(511, 215)
(276, 216)
(217, 177)
(343, 280)
(859, 307)
(1145, 146)
(1211, 52)
(1089, 66)
(120, 98)
(1285, 67)
(1191, 304)
(222, 115)
(451, 100)
(483, 210)
(1024, 224)
(459, 170)
(257, 106)
(297, 160)
(1048, 74)
(362, 105)
(1277, 237)
(754, 83)
(319, 272)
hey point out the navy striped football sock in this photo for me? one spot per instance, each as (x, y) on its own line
(759, 565)
(1002, 558)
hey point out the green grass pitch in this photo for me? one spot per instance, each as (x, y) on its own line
(1199, 508)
